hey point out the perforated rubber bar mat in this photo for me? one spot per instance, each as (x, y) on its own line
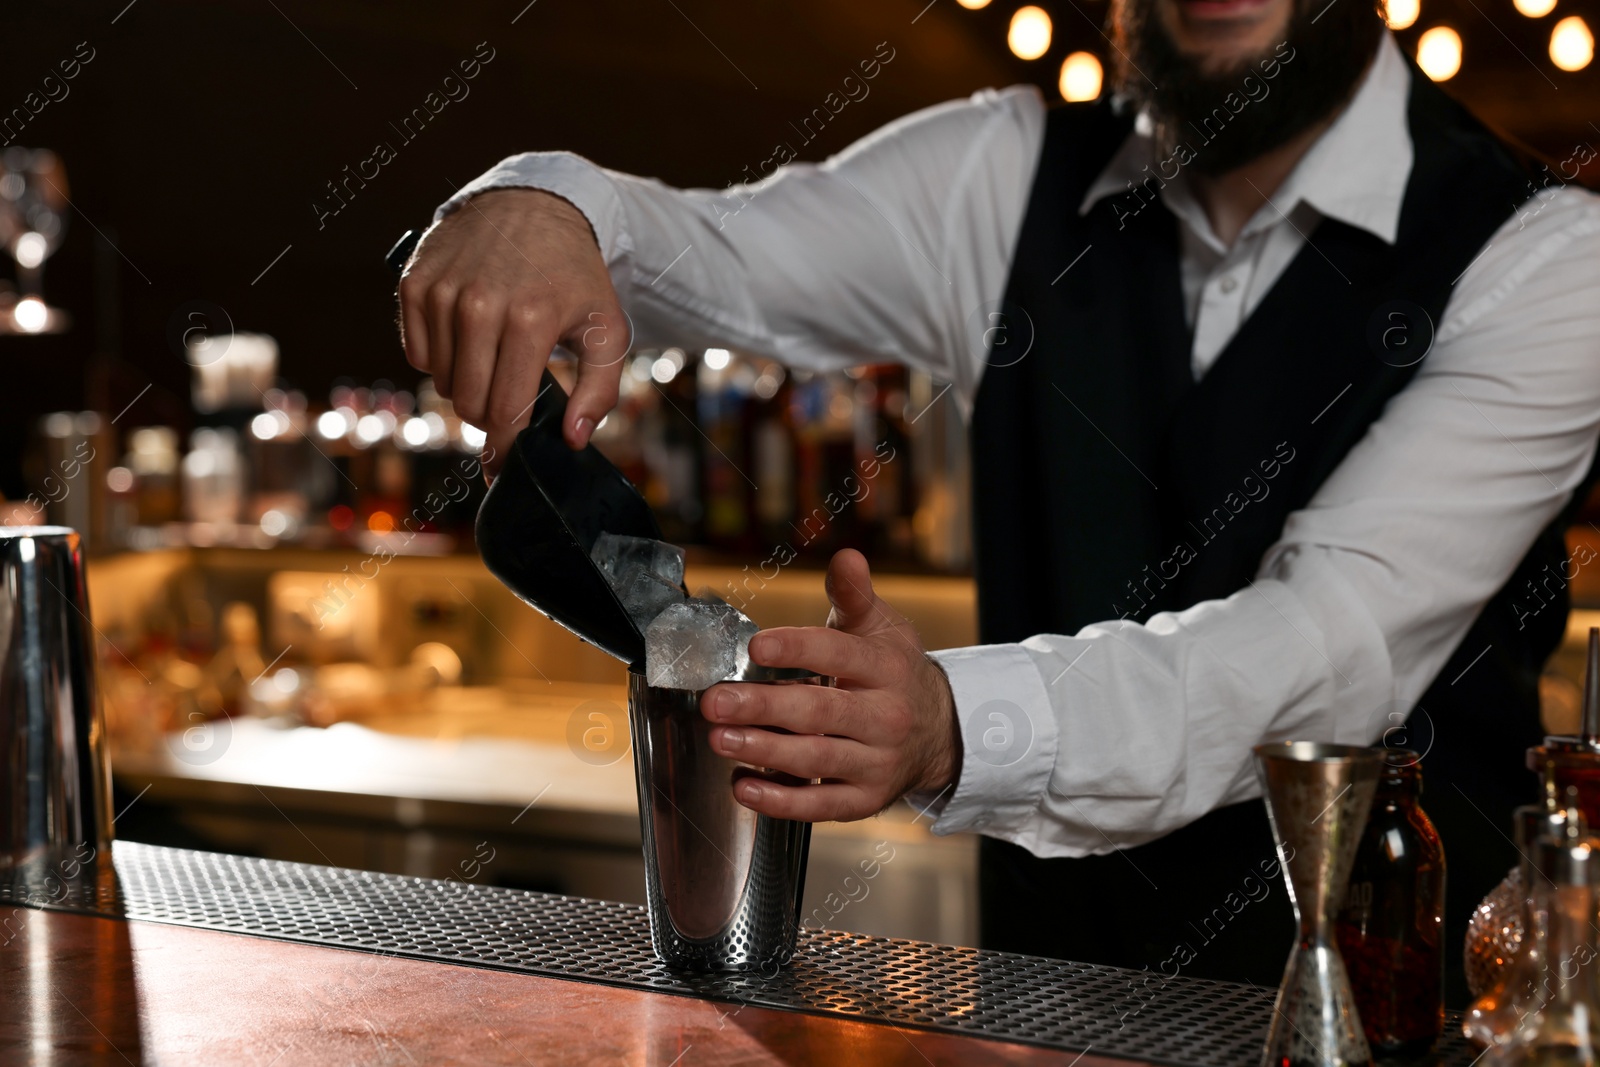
(1069, 1006)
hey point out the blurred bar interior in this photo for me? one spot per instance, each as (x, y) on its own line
(301, 655)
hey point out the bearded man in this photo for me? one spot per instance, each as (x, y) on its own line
(1283, 386)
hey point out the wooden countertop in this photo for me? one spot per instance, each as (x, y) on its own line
(87, 990)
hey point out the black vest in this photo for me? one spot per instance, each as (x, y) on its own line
(1109, 483)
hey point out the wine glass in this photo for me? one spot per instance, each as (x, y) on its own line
(33, 221)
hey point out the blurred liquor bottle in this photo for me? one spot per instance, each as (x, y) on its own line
(727, 417)
(772, 456)
(821, 409)
(671, 443)
(70, 472)
(882, 449)
(152, 460)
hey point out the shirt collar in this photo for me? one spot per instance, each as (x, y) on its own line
(1355, 172)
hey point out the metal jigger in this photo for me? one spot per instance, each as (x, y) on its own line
(1317, 797)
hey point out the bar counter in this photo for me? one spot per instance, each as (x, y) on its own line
(180, 957)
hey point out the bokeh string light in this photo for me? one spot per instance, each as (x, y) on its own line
(1401, 14)
(1029, 36)
(1571, 44)
(1439, 53)
(1081, 77)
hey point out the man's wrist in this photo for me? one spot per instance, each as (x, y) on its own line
(565, 176)
(945, 774)
(1007, 743)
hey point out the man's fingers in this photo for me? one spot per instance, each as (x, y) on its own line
(830, 802)
(802, 755)
(414, 319)
(479, 320)
(831, 653)
(804, 709)
(849, 585)
(524, 350)
(600, 341)
(439, 306)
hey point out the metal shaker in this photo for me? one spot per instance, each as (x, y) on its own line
(54, 777)
(723, 882)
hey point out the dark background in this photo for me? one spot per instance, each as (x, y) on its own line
(200, 135)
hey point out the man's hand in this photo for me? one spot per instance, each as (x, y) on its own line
(491, 290)
(887, 729)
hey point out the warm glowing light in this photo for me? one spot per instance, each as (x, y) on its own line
(274, 523)
(472, 437)
(331, 424)
(1439, 53)
(264, 426)
(30, 314)
(1571, 44)
(717, 358)
(1535, 9)
(340, 517)
(201, 463)
(30, 250)
(380, 522)
(119, 479)
(663, 370)
(1400, 14)
(414, 432)
(1081, 77)
(973, 5)
(1029, 36)
(369, 429)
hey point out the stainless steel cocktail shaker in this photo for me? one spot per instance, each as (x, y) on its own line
(55, 779)
(724, 883)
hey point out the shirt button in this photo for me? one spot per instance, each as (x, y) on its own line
(1229, 283)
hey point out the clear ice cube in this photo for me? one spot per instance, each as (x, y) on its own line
(619, 557)
(696, 644)
(645, 596)
(744, 630)
(646, 575)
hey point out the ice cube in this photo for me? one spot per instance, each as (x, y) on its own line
(645, 596)
(619, 558)
(646, 575)
(696, 644)
(744, 630)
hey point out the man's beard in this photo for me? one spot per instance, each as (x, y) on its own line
(1317, 67)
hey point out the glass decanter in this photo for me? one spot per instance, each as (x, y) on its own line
(1569, 767)
(1562, 1025)
(1494, 1016)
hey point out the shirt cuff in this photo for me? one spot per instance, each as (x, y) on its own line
(1008, 735)
(571, 177)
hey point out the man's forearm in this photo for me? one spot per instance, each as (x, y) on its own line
(879, 255)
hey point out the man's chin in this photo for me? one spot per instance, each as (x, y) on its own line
(1260, 63)
(1221, 38)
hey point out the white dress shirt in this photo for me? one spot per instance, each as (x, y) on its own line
(883, 252)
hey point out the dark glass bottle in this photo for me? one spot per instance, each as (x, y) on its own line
(1391, 925)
